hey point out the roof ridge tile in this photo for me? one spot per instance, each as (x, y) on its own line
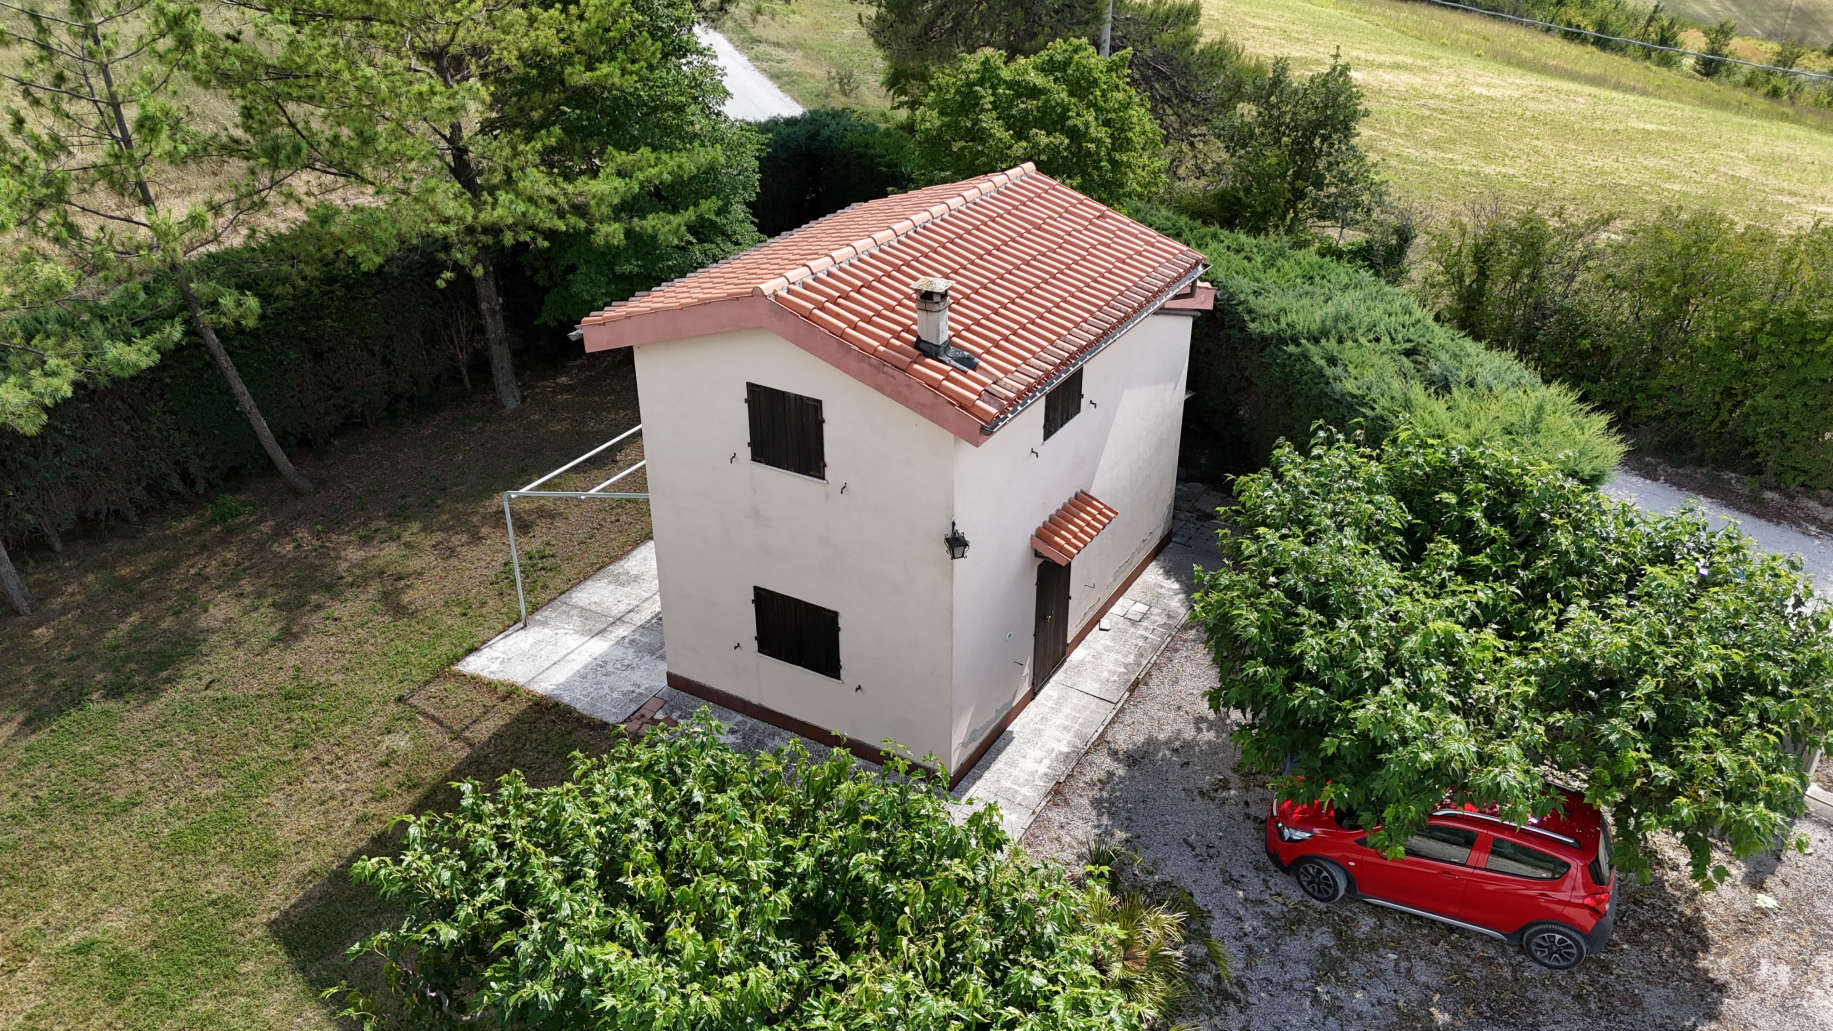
(983, 187)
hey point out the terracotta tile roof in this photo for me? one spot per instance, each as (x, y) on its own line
(1042, 275)
(1070, 528)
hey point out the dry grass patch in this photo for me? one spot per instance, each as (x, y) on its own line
(1465, 107)
(817, 51)
(1462, 107)
(212, 716)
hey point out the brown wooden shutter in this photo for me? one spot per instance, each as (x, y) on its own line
(787, 430)
(1062, 403)
(798, 632)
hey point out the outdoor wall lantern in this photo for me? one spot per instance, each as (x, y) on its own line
(956, 541)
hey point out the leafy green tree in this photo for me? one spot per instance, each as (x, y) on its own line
(1510, 278)
(1718, 44)
(679, 883)
(489, 125)
(116, 175)
(915, 37)
(1426, 619)
(1188, 78)
(1788, 53)
(1293, 156)
(1068, 109)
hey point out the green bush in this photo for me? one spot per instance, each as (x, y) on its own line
(1709, 340)
(1298, 338)
(821, 161)
(1429, 617)
(678, 883)
(1069, 110)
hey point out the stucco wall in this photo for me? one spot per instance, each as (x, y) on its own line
(866, 542)
(1122, 448)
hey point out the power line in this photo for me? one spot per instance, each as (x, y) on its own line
(1635, 42)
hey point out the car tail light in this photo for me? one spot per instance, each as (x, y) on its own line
(1289, 833)
(1598, 902)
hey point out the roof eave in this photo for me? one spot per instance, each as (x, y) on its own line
(1146, 310)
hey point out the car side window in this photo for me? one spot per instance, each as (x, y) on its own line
(1444, 844)
(1521, 861)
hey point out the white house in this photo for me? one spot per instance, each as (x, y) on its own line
(902, 458)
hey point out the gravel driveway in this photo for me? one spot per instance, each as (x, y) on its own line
(1164, 774)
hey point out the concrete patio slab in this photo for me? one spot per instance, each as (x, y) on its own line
(599, 649)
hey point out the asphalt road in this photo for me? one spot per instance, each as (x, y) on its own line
(753, 96)
(1816, 551)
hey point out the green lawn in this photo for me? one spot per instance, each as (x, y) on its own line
(1465, 108)
(208, 721)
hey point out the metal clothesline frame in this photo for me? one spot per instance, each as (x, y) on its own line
(530, 491)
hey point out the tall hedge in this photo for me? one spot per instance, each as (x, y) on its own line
(1711, 341)
(820, 161)
(334, 346)
(1298, 338)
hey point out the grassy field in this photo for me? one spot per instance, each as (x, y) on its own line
(1465, 108)
(1810, 21)
(214, 715)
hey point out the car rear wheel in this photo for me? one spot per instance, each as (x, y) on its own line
(1321, 879)
(1553, 946)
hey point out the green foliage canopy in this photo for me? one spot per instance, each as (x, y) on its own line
(820, 161)
(1068, 109)
(917, 36)
(1711, 340)
(116, 165)
(1298, 337)
(1293, 155)
(488, 125)
(1427, 617)
(678, 883)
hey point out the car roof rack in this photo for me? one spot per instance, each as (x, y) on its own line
(1492, 818)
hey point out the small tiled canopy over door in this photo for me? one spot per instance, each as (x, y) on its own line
(797, 631)
(786, 430)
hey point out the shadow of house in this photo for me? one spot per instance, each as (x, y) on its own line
(1169, 783)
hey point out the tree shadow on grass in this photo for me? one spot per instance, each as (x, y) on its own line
(406, 516)
(1177, 794)
(319, 926)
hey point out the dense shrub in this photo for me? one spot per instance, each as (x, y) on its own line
(821, 161)
(1294, 158)
(1427, 617)
(680, 884)
(1710, 340)
(1066, 108)
(1298, 338)
(334, 346)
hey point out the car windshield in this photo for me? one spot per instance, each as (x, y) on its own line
(1600, 867)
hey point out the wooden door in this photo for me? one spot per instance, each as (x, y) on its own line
(1051, 635)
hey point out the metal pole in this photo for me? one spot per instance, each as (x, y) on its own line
(618, 477)
(515, 560)
(1107, 30)
(620, 438)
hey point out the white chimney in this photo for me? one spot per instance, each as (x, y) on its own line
(932, 310)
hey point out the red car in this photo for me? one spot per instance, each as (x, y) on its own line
(1547, 886)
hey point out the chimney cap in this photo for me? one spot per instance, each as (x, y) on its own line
(931, 285)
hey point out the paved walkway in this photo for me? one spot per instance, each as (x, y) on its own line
(598, 648)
